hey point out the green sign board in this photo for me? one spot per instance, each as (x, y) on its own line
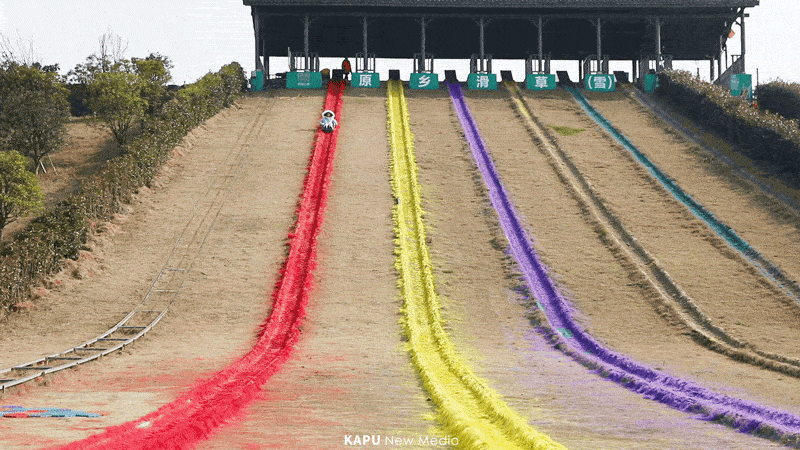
(482, 81)
(742, 85)
(540, 81)
(303, 80)
(650, 82)
(424, 81)
(257, 81)
(600, 82)
(365, 80)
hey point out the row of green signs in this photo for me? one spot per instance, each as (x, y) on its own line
(593, 82)
(475, 81)
(741, 84)
(313, 80)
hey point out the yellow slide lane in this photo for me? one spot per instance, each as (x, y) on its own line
(473, 415)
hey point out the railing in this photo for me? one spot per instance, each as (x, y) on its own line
(423, 64)
(652, 64)
(736, 67)
(303, 62)
(534, 64)
(365, 63)
(592, 65)
(478, 65)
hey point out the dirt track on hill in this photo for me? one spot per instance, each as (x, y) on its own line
(573, 406)
(767, 225)
(223, 301)
(350, 374)
(731, 294)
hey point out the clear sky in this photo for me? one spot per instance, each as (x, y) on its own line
(202, 35)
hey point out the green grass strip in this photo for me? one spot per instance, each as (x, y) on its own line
(472, 414)
(567, 131)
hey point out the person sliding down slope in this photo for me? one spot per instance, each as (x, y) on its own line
(328, 122)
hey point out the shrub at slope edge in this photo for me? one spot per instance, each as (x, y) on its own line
(36, 253)
(780, 97)
(763, 134)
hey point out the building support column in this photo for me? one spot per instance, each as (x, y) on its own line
(258, 40)
(727, 63)
(541, 45)
(482, 25)
(483, 66)
(658, 40)
(741, 18)
(599, 44)
(598, 23)
(423, 22)
(711, 70)
(306, 56)
(366, 59)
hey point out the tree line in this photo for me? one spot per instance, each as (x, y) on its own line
(35, 109)
(160, 118)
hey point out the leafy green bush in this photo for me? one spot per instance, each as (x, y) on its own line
(762, 134)
(780, 97)
(154, 71)
(234, 80)
(60, 233)
(34, 111)
(116, 98)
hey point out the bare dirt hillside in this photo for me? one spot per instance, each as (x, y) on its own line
(487, 315)
(768, 226)
(732, 295)
(350, 373)
(225, 296)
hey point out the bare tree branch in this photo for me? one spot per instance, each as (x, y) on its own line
(112, 50)
(19, 52)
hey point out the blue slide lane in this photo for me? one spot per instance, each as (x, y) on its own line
(574, 341)
(768, 269)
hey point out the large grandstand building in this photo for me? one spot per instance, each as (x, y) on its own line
(650, 33)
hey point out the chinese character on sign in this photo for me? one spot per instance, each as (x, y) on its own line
(483, 81)
(541, 82)
(424, 81)
(600, 82)
(365, 80)
(304, 78)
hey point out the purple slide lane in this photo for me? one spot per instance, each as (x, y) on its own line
(573, 340)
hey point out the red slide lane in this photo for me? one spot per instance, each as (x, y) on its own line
(218, 401)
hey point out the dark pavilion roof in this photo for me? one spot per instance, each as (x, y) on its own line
(690, 29)
(572, 4)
